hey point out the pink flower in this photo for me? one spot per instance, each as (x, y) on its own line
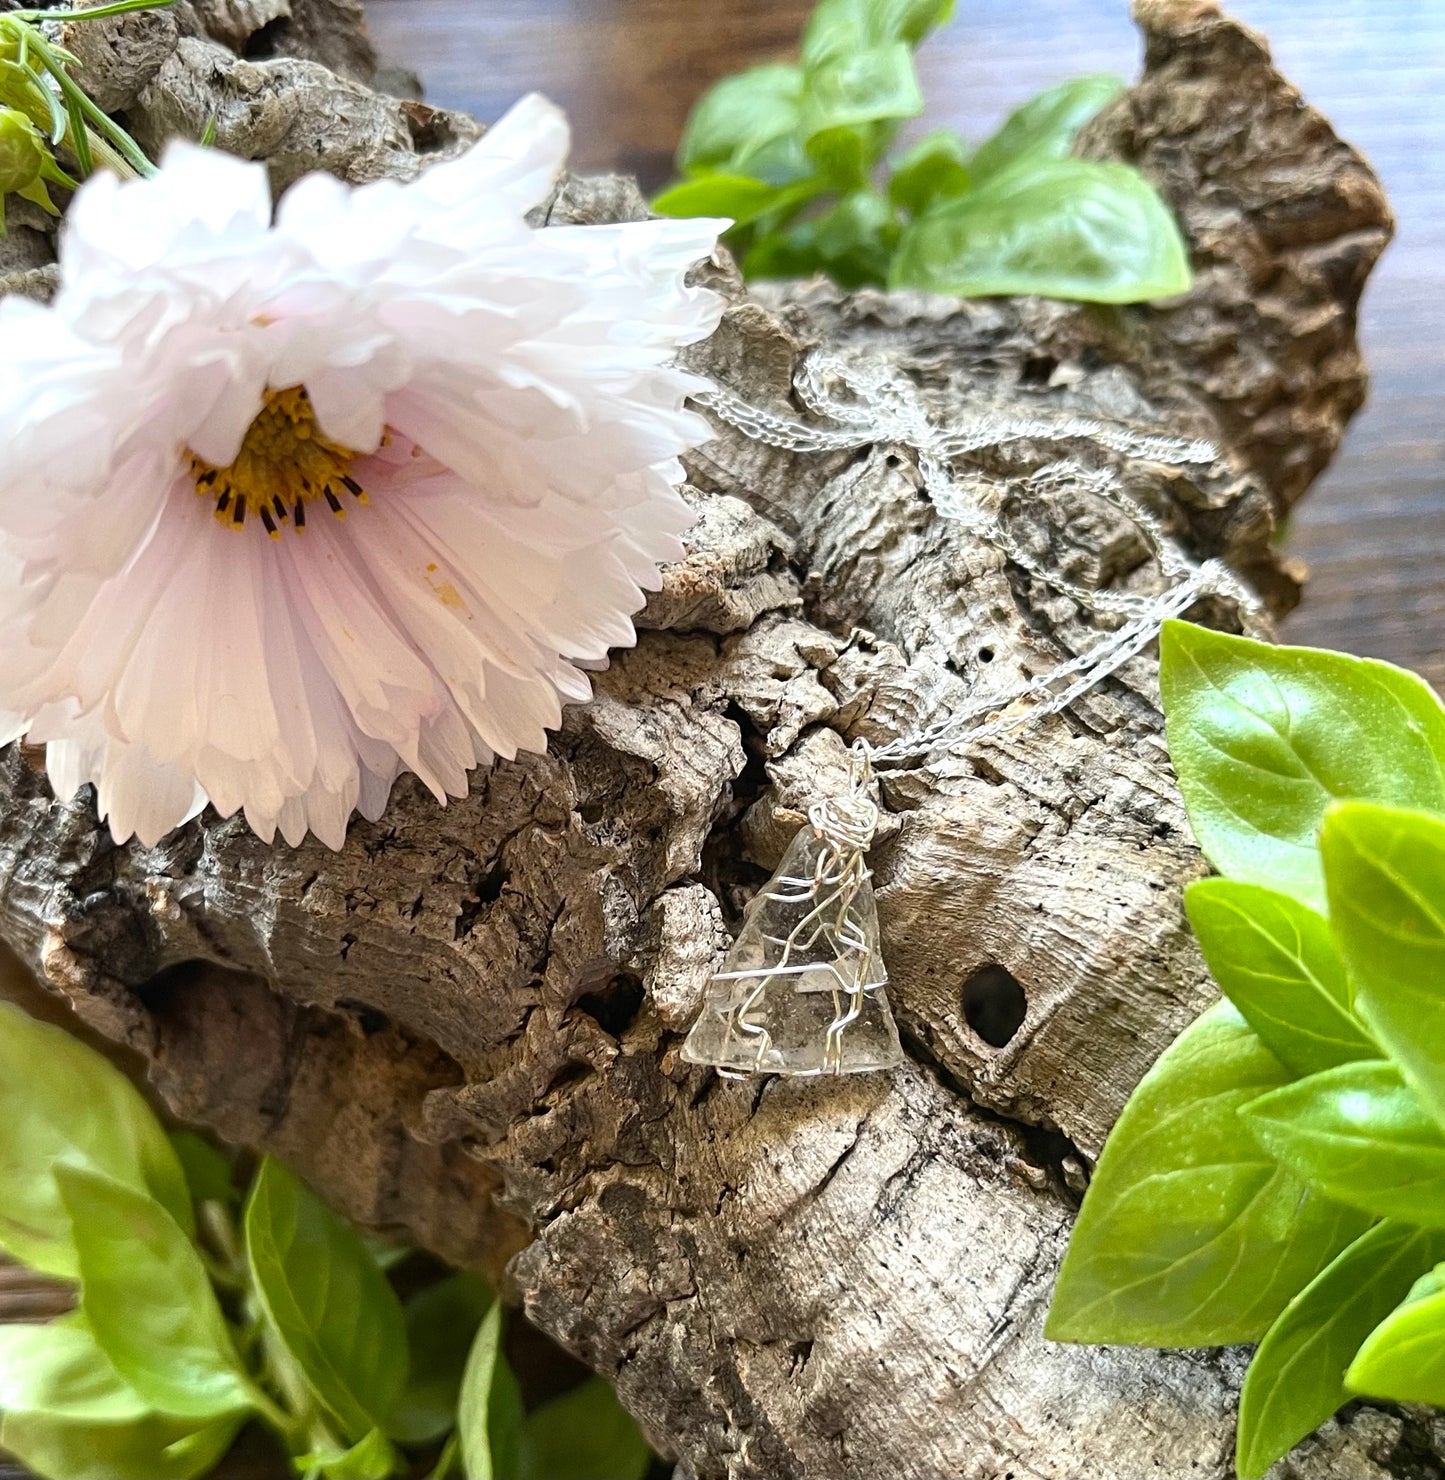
(287, 509)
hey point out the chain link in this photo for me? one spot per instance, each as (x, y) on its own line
(863, 404)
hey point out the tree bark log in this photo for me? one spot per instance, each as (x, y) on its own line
(464, 1028)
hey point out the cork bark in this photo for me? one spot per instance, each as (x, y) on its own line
(464, 1027)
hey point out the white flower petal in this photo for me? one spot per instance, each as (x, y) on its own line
(495, 410)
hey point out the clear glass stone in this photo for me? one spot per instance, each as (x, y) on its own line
(801, 991)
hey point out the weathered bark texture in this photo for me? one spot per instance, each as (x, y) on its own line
(464, 1028)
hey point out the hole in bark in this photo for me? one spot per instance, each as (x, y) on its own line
(994, 1004)
(985, 655)
(616, 1009)
(731, 877)
(369, 1020)
(267, 41)
(1038, 370)
(488, 890)
(158, 995)
(429, 129)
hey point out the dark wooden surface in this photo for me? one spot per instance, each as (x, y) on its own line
(1373, 530)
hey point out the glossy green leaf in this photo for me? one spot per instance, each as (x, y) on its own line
(208, 1173)
(1064, 228)
(1189, 1234)
(1297, 1377)
(862, 87)
(843, 158)
(1386, 874)
(1277, 961)
(1403, 1358)
(69, 1415)
(326, 1301)
(741, 118)
(148, 1448)
(737, 197)
(441, 1324)
(934, 167)
(1046, 126)
(489, 1412)
(62, 1102)
(148, 1300)
(1359, 1133)
(1265, 738)
(371, 1458)
(58, 1369)
(585, 1434)
(840, 26)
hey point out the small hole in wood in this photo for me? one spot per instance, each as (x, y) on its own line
(994, 1004)
(985, 655)
(615, 1009)
(265, 43)
(369, 1020)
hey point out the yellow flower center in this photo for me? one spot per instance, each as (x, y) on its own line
(285, 463)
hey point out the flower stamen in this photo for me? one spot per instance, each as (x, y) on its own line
(285, 461)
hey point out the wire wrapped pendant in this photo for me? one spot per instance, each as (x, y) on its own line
(802, 989)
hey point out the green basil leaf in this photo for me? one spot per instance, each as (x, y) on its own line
(844, 157)
(793, 253)
(69, 1414)
(1189, 1234)
(1386, 874)
(325, 1301)
(148, 1300)
(1265, 738)
(1090, 231)
(738, 197)
(1403, 1358)
(840, 26)
(208, 1173)
(441, 1324)
(489, 1413)
(933, 167)
(1359, 1133)
(585, 1434)
(861, 87)
(741, 118)
(851, 243)
(149, 1448)
(59, 1370)
(372, 1458)
(1277, 961)
(1046, 126)
(1297, 1377)
(61, 1101)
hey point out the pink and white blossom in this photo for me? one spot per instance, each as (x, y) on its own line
(291, 506)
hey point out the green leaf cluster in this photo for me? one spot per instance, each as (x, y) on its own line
(1279, 1174)
(800, 157)
(42, 108)
(200, 1308)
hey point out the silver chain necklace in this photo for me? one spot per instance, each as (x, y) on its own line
(801, 991)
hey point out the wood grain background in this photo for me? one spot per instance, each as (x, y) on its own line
(1373, 530)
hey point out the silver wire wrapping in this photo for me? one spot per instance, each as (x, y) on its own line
(814, 929)
(802, 990)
